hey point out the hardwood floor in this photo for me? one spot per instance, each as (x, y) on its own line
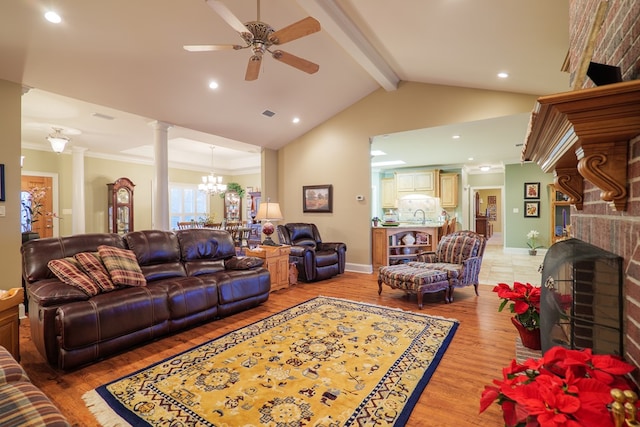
(484, 343)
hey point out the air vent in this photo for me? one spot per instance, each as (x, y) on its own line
(102, 116)
(268, 113)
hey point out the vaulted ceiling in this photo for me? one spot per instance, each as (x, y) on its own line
(124, 60)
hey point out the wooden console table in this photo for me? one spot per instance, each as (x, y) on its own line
(276, 260)
(9, 320)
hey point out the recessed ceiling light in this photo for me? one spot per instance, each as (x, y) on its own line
(456, 137)
(296, 120)
(378, 153)
(470, 158)
(52, 17)
(503, 75)
(213, 84)
(485, 168)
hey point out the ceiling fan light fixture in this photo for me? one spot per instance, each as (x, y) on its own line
(57, 140)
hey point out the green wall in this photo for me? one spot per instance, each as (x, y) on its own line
(516, 224)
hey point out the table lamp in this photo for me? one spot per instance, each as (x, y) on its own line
(269, 212)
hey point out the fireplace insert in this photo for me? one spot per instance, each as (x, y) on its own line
(581, 298)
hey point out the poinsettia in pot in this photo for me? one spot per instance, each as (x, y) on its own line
(564, 388)
(524, 302)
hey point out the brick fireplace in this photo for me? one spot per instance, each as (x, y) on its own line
(592, 144)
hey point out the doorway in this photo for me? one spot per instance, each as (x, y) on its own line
(45, 188)
(488, 204)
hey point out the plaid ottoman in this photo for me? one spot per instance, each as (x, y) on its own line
(414, 280)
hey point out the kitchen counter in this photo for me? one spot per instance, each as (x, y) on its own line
(428, 224)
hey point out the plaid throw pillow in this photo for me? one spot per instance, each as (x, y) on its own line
(92, 265)
(122, 265)
(68, 270)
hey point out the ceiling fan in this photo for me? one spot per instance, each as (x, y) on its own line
(260, 37)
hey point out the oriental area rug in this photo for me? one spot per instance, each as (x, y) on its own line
(324, 362)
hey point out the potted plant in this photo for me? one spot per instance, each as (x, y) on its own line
(565, 388)
(524, 302)
(532, 242)
(375, 220)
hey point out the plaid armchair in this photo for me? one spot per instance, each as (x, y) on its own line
(460, 255)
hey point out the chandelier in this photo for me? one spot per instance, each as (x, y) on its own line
(57, 140)
(212, 184)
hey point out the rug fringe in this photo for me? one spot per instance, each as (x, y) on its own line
(449, 319)
(106, 416)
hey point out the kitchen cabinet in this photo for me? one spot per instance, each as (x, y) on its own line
(422, 182)
(120, 206)
(449, 190)
(560, 214)
(388, 192)
(397, 245)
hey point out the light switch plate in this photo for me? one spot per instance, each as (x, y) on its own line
(3, 212)
(516, 210)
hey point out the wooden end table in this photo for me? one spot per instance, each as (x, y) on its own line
(10, 321)
(276, 260)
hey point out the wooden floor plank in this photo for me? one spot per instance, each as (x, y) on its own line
(482, 346)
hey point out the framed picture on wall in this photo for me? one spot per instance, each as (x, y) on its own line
(531, 190)
(532, 209)
(317, 198)
(2, 183)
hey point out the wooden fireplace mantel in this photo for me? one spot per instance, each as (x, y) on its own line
(584, 134)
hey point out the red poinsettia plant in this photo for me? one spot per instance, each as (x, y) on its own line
(565, 388)
(523, 300)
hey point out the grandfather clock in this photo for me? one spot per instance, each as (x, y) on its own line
(120, 203)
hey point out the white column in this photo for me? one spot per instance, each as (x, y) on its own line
(77, 199)
(161, 185)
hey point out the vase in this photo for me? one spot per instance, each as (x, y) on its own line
(533, 252)
(29, 235)
(529, 338)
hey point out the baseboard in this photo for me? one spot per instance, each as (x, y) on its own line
(359, 268)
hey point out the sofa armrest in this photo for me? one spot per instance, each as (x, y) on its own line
(335, 246)
(300, 251)
(53, 292)
(427, 257)
(470, 270)
(243, 263)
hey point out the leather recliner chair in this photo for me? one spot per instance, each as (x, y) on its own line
(315, 259)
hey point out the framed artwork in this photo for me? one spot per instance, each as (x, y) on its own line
(531, 190)
(2, 183)
(532, 209)
(317, 198)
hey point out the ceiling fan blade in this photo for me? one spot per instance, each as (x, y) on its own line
(210, 47)
(296, 61)
(302, 28)
(253, 68)
(227, 15)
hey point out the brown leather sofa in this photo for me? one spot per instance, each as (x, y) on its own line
(193, 276)
(315, 259)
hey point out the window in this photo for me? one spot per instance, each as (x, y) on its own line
(186, 203)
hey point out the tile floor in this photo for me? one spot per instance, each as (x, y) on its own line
(501, 265)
